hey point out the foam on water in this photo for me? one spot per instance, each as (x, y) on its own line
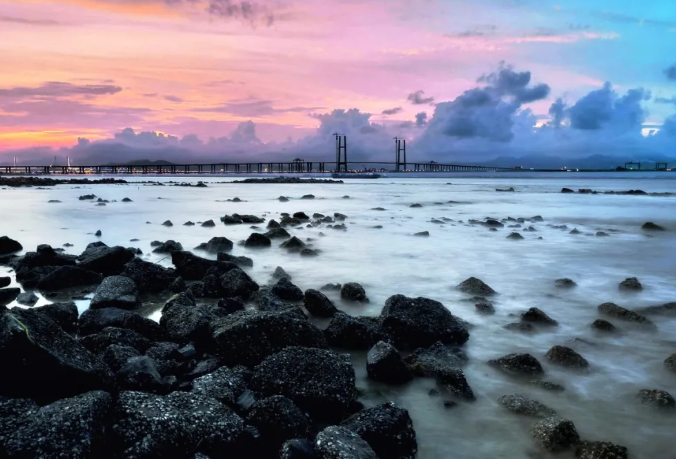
(390, 260)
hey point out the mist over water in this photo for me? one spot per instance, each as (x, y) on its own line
(391, 260)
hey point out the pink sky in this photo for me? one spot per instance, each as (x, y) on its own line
(175, 67)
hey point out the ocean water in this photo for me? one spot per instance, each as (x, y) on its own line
(391, 260)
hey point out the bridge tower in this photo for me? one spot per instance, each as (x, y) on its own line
(341, 152)
(399, 149)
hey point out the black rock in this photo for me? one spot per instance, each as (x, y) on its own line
(5, 281)
(475, 286)
(384, 364)
(566, 357)
(248, 337)
(188, 223)
(521, 405)
(141, 374)
(600, 450)
(603, 325)
(287, 291)
(7, 295)
(216, 245)
(277, 420)
(67, 277)
(631, 283)
(257, 240)
(190, 266)
(167, 223)
(87, 197)
(116, 356)
(168, 358)
(340, 443)
(318, 304)
(547, 385)
(178, 285)
(301, 216)
(670, 362)
(208, 224)
(567, 190)
(237, 283)
(230, 305)
(188, 323)
(64, 314)
(108, 261)
(355, 333)
(225, 385)
(169, 246)
(318, 381)
(116, 292)
(515, 236)
(388, 429)
(353, 291)
(602, 234)
(524, 364)
(96, 320)
(176, 425)
(27, 298)
(331, 287)
(536, 316)
(648, 226)
(293, 245)
(298, 448)
(75, 427)
(485, 308)
(308, 196)
(279, 273)
(8, 246)
(658, 399)
(565, 283)
(421, 322)
(422, 234)
(308, 253)
(520, 327)
(245, 262)
(37, 350)
(443, 364)
(265, 300)
(613, 310)
(555, 434)
(99, 342)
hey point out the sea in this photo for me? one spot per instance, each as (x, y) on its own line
(379, 250)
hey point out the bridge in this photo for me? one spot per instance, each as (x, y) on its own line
(297, 165)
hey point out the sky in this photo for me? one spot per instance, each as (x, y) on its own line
(464, 80)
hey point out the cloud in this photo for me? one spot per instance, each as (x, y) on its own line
(24, 21)
(392, 111)
(253, 13)
(670, 72)
(421, 119)
(173, 99)
(60, 89)
(417, 98)
(557, 111)
(254, 108)
(665, 100)
(603, 108)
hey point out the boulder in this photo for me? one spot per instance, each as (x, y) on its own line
(37, 350)
(435, 360)
(565, 283)
(631, 284)
(99, 342)
(567, 190)
(108, 261)
(27, 298)
(352, 291)
(64, 314)
(355, 333)
(141, 374)
(168, 247)
(8, 246)
(225, 385)
(566, 357)
(537, 316)
(116, 356)
(475, 286)
(273, 224)
(521, 364)
(613, 310)
(485, 308)
(514, 236)
(75, 427)
(257, 240)
(340, 443)
(604, 326)
(279, 273)
(301, 216)
(308, 196)
(277, 420)
(65, 277)
(7, 295)
(216, 245)
(318, 304)
(189, 323)
(331, 287)
(169, 358)
(208, 224)
(521, 405)
(318, 381)
(422, 234)
(420, 322)
(116, 292)
(176, 425)
(650, 226)
(287, 291)
(520, 327)
(167, 223)
(248, 337)
(600, 450)
(293, 245)
(96, 320)
(298, 448)
(387, 428)
(308, 253)
(555, 434)
(237, 283)
(265, 300)
(245, 262)
(230, 305)
(149, 277)
(670, 362)
(384, 364)
(659, 399)
(5, 281)
(190, 266)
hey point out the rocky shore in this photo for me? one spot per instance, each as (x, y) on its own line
(45, 181)
(283, 180)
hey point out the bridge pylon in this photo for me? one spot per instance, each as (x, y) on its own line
(341, 152)
(399, 149)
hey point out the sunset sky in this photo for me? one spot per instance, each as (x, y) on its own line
(91, 68)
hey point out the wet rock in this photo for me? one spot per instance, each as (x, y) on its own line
(177, 286)
(278, 233)
(658, 399)
(273, 224)
(474, 286)
(384, 364)
(168, 358)
(230, 305)
(613, 310)
(245, 262)
(189, 223)
(237, 283)
(537, 316)
(63, 314)
(149, 277)
(388, 429)
(257, 240)
(339, 443)
(277, 420)
(524, 364)
(5, 281)
(175, 425)
(547, 385)
(520, 327)
(167, 223)
(565, 283)
(485, 308)
(308, 196)
(98, 232)
(208, 224)
(293, 245)
(265, 300)
(188, 323)
(491, 223)
(279, 273)
(298, 448)
(190, 266)
(650, 226)
(116, 292)
(108, 261)
(225, 385)
(555, 434)
(301, 216)
(515, 236)
(318, 381)
(353, 291)
(420, 322)
(521, 405)
(169, 246)
(87, 197)
(443, 364)
(631, 283)
(75, 426)
(566, 357)
(248, 337)
(67, 277)
(603, 325)
(99, 342)
(318, 304)
(575, 231)
(567, 190)
(116, 356)
(356, 333)
(600, 450)
(287, 291)
(7, 295)
(331, 287)
(96, 320)
(422, 234)
(670, 362)
(232, 219)
(27, 298)
(602, 234)
(141, 374)
(216, 245)
(308, 253)
(8, 246)
(38, 350)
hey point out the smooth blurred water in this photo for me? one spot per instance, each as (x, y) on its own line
(391, 260)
